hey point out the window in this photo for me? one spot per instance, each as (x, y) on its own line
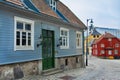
(52, 4)
(95, 45)
(102, 45)
(24, 34)
(66, 62)
(109, 39)
(64, 34)
(110, 52)
(78, 39)
(117, 45)
(116, 52)
(77, 60)
(94, 36)
(102, 52)
(97, 36)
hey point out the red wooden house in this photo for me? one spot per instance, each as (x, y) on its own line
(106, 46)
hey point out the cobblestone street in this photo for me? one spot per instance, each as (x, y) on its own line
(98, 69)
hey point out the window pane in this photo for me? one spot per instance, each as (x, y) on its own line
(61, 32)
(17, 38)
(29, 39)
(65, 33)
(23, 38)
(19, 25)
(63, 41)
(18, 34)
(27, 26)
(29, 42)
(18, 42)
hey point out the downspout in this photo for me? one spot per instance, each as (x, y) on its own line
(83, 49)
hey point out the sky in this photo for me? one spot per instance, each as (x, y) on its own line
(105, 13)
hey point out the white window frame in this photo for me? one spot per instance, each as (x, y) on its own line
(110, 52)
(21, 47)
(102, 52)
(52, 5)
(79, 38)
(67, 46)
(115, 52)
(109, 39)
(117, 45)
(102, 45)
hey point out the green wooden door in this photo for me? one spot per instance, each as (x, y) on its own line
(48, 49)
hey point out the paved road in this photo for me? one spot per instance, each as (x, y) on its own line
(98, 69)
(103, 69)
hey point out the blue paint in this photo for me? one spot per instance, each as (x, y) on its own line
(61, 15)
(7, 53)
(30, 5)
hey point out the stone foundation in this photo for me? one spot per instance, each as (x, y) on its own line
(20, 70)
(72, 62)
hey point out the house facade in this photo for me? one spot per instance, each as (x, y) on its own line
(38, 35)
(107, 46)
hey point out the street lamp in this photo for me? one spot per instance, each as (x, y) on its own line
(87, 47)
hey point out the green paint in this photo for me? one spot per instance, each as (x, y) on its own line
(48, 49)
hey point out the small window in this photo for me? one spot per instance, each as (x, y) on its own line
(102, 45)
(109, 39)
(102, 52)
(94, 36)
(116, 52)
(78, 39)
(66, 62)
(117, 45)
(109, 52)
(96, 46)
(64, 34)
(52, 4)
(77, 60)
(97, 36)
(19, 25)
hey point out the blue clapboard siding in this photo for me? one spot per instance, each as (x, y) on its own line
(7, 53)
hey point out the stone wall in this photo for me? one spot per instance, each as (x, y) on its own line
(19, 70)
(72, 62)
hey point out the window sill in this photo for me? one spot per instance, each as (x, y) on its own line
(64, 47)
(23, 48)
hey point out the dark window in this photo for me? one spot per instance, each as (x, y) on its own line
(27, 26)
(97, 35)
(18, 38)
(77, 60)
(29, 39)
(94, 36)
(66, 62)
(23, 38)
(19, 25)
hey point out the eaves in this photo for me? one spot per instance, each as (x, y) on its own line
(40, 15)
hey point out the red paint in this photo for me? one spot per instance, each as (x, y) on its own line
(109, 46)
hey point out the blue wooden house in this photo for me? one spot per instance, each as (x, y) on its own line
(38, 35)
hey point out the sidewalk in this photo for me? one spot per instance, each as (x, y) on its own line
(66, 75)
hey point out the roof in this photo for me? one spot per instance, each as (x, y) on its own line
(69, 14)
(41, 6)
(106, 35)
(16, 2)
(95, 32)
